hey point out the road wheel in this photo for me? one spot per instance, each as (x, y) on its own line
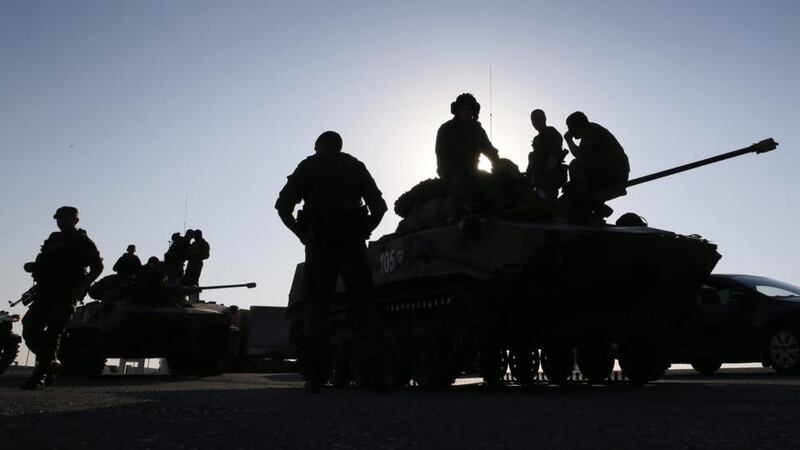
(643, 361)
(706, 366)
(395, 364)
(431, 367)
(493, 364)
(596, 360)
(79, 355)
(9, 351)
(523, 360)
(340, 365)
(557, 364)
(784, 351)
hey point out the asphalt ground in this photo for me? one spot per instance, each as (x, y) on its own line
(732, 409)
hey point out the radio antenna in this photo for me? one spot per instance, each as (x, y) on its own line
(185, 211)
(490, 102)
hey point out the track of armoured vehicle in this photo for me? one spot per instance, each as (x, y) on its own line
(498, 293)
(192, 336)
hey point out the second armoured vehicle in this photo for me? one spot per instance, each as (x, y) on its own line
(515, 287)
(193, 336)
(9, 341)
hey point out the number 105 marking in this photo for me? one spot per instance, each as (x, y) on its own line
(390, 261)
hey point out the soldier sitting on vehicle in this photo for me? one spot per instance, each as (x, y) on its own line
(545, 172)
(461, 140)
(128, 264)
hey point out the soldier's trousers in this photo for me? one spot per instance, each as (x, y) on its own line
(324, 265)
(44, 323)
(192, 275)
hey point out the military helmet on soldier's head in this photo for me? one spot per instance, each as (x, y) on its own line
(328, 141)
(66, 211)
(466, 99)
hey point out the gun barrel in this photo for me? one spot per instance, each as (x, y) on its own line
(250, 285)
(759, 147)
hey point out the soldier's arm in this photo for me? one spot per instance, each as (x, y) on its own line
(373, 198)
(487, 148)
(289, 197)
(94, 261)
(573, 147)
(442, 142)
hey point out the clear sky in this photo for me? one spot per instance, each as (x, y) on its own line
(124, 108)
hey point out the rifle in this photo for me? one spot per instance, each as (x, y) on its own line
(27, 297)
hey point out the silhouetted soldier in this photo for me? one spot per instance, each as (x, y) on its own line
(151, 282)
(198, 251)
(128, 264)
(175, 256)
(333, 226)
(461, 140)
(61, 280)
(600, 169)
(545, 170)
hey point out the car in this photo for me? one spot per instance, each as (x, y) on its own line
(744, 318)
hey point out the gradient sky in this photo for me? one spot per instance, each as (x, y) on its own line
(122, 109)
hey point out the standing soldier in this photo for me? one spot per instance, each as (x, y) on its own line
(175, 256)
(198, 251)
(333, 227)
(600, 169)
(61, 280)
(128, 264)
(545, 171)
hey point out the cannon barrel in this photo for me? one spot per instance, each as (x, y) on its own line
(250, 285)
(759, 147)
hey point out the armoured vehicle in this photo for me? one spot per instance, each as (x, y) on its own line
(515, 286)
(9, 341)
(264, 344)
(192, 335)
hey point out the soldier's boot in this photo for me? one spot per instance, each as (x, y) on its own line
(53, 372)
(314, 377)
(36, 381)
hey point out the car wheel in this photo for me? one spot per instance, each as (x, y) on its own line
(784, 351)
(643, 360)
(706, 366)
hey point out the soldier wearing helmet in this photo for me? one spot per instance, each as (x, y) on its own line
(61, 279)
(333, 226)
(461, 140)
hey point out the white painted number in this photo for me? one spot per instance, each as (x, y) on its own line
(391, 260)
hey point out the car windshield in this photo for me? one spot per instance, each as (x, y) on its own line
(769, 287)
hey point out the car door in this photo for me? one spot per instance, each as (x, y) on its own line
(727, 323)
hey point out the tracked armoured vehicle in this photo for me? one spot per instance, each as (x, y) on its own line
(192, 335)
(518, 288)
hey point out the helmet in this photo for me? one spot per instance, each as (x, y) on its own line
(467, 99)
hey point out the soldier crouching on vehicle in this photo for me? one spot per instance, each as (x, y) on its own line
(599, 171)
(333, 228)
(61, 279)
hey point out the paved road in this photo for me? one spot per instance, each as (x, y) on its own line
(734, 409)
